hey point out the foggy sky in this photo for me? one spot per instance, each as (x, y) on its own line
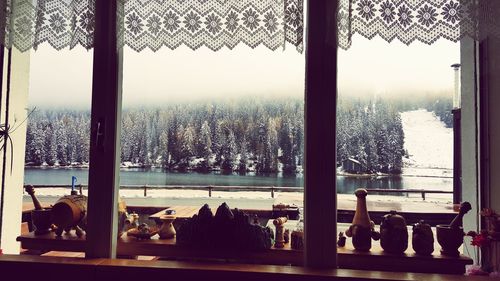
(369, 67)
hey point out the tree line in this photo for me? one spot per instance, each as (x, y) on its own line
(261, 135)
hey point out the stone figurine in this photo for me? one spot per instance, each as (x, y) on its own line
(342, 239)
(167, 230)
(393, 233)
(362, 229)
(451, 236)
(41, 218)
(279, 223)
(228, 229)
(422, 239)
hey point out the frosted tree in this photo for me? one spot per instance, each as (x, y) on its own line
(286, 143)
(242, 166)
(51, 147)
(205, 141)
(163, 148)
(187, 145)
(229, 151)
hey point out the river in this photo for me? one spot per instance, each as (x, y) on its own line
(137, 176)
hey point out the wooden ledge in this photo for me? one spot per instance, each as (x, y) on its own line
(57, 268)
(168, 249)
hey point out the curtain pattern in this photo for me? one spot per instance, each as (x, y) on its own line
(154, 24)
(417, 20)
(212, 23)
(60, 23)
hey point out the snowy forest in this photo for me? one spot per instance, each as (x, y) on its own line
(257, 135)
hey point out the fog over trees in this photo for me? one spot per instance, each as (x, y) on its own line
(262, 134)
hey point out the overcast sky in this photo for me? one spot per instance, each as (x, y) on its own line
(369, 67)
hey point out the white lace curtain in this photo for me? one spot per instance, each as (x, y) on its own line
(153, 24)
(418, 20)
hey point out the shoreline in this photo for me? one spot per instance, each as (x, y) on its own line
(189, 171)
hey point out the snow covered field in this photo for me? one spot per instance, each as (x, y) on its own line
(429, 144)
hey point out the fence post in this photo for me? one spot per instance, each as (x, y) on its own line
(272, 191)
(145, 190)
(81, 189)
(209, 191)
(423, 195)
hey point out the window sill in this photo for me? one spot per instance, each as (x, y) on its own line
(348, 258)
(55, 268)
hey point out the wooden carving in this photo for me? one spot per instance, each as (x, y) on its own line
(362, 229)
(31, 191)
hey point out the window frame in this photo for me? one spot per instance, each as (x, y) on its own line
(321, 69)
(320, 113)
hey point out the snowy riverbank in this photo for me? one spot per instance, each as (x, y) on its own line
(261, 200)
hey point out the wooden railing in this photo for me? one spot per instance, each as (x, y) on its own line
(235, 188)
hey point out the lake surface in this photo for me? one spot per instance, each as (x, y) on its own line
(136, 176)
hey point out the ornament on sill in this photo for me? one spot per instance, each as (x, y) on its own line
(297, 235)
(143, 231)
(422, 239)
(167, 230)
(362, 229)
(70, 212)
(40, 217)
(279, 223)
(342, 239)
(451, 236)
(228, 229)
(393, 233)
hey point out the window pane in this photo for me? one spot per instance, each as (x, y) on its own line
(58, 133)
(395, 122)
(203, 127)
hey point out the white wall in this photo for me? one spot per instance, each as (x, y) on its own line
(14, 181)
(470, 149)
(493, 74)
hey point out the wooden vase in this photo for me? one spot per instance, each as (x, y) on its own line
(362, 228)
(70, 212)
(167, 230)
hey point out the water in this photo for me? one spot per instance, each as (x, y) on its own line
(136, 176)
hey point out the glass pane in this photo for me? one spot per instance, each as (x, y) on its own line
(57, 137)
(203, 127)
(395, 123)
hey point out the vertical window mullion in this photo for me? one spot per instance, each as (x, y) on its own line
(105, 134)
(320, 192)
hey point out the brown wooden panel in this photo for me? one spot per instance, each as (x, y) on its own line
(56, 268)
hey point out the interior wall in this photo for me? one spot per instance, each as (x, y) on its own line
(14, 178)
(490, 132)
(493, 91)
(470, 149)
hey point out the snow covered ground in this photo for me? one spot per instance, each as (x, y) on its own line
(429, 144)
(257, 200)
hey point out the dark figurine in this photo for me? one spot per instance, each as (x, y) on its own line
(423, 239)
(362, 229)
(451, 236)
(226, 230)
(342, 240)
(256, 220)
(393, 233)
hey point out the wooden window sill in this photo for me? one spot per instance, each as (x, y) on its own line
(56, 268)
(168, 249)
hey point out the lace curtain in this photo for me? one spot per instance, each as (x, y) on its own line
(155, 23)
(417, 20)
